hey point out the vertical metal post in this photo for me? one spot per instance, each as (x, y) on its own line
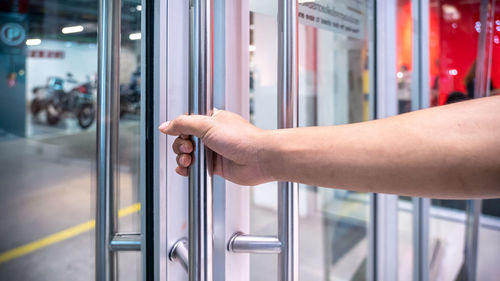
(473, 212)
(107, 137)
(385, 226)
(288, 192)
(421, 263)
(420, 99)
(485, 40)
(200, 241)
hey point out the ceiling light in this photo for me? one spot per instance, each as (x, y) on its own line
(33, 42)
(72, 29)
(135, 36)
(138, 8)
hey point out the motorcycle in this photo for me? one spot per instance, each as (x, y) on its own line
(78, 102)
(42, 94)
(130, 95)
(58, 102)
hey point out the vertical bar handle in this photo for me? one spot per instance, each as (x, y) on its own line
(107, 137)
(288, 118)
(200, 237)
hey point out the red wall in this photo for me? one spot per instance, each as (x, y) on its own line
(453, 42)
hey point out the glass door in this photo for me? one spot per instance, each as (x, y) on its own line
(318, 56)
(51, 89)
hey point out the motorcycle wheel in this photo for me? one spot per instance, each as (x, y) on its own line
(52, 115)
(86, 116)
(35, 106)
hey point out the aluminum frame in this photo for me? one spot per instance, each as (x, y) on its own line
(420, 95)
(384, 262)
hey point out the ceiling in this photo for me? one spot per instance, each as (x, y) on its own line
(46, 18)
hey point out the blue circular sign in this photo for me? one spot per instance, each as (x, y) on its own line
(12, 34)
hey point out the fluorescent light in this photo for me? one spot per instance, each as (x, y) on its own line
(135, 36)
(252, 48)
(138, 8)
(33, 42)
(72, 29)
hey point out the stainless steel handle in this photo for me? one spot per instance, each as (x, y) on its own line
(108, 241)
(199, 247)
(180, 253)
(107, 137)
(200, 237)
(256, 244)
(286, 244)
(288, 222)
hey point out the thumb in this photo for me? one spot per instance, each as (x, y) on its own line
(196, 125)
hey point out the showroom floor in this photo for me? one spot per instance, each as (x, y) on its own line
(47, 187)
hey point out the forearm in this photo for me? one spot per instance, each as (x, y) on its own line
(445, 152)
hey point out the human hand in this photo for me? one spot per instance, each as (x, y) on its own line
(237, 144)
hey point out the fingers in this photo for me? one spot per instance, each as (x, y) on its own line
(184, 160)
(182, 145)
(196, 125)
(182, 171)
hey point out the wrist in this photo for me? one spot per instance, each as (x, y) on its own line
(271, 155)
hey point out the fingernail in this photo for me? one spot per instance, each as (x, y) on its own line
(163, 126)
(184, 148)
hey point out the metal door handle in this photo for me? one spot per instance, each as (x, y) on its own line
(286, 244)
(108, 241)
(200, 232)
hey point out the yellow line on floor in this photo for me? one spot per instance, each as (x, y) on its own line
(60, 236)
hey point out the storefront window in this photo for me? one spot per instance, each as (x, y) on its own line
(464, 63)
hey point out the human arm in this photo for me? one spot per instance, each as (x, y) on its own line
(451, 151)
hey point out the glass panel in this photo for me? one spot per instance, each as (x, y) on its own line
(263, 114)
(334, 88)
(129, 266)
(130, 107)
(455, 50)
(404, 60)
(48, 65)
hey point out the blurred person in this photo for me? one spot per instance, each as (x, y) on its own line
(470, 82)
(456, 96)
(404, 89)
(448, 152)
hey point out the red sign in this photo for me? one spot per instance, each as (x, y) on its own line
(46, 54)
